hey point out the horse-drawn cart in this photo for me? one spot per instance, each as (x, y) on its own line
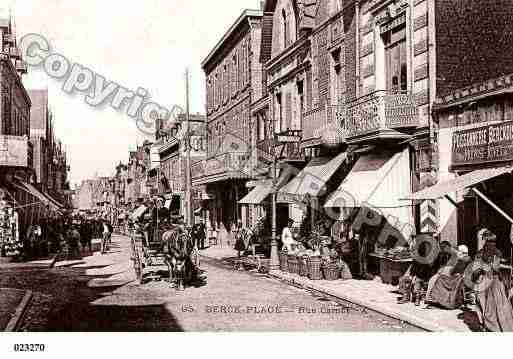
(168, 251)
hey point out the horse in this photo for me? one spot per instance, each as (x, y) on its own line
(178, 247)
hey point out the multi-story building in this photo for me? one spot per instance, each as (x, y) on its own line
(472, 117)
(234, 81)
(139, 164)
(16, 151)
(50, 163)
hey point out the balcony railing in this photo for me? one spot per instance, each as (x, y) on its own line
(234, 162)
(293, 152)
(21, 66)
(9, 38)
(198, 169)
(319, 123)
(312, 121)
(381, 111)
(15, 151)
(15, 53)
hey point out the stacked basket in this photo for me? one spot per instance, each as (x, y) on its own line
(330, 271)
(314, 268)
(284, 261)
(303, 266)
(292, 263)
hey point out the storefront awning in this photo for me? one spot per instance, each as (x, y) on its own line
(313, 178)
(378, 179)
(442, 189)
(138, 212)
(54, 201)
(259, 193)
(38, 195)
(264, 188)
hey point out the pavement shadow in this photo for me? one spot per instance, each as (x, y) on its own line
(72, 306)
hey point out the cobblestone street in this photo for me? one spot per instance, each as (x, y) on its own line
(99, 294)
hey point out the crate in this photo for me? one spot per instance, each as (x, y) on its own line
(303, 266)
(314, 268)
(292, 264)
(331, 272)
(284, 262)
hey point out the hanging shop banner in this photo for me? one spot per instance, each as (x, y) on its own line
(13, 151)
(483, 145)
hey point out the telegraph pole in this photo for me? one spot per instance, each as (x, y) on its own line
(188, 175)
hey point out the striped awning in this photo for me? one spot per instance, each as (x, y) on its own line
(379, 179)
(38, 195)
(259, 193)
(313, 178)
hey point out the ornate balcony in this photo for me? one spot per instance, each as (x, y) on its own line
(312, 121)
(21, 66)
(381, 115)
(9, 38)
(225, 166)
(323, 126)
(16, 151)
(15, 53)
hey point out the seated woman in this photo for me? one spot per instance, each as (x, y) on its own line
(413, 283)
(446, 287)
(493, 306)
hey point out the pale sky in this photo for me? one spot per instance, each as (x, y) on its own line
(144, 44)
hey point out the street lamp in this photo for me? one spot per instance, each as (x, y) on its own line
(274, 260)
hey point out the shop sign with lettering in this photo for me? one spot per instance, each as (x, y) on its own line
(483, 145)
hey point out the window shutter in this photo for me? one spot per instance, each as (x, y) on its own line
(288, 111)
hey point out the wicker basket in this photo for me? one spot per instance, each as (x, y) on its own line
(284, 261)
(292, 264)
(314, 268)
(303, 266)
(331, 272)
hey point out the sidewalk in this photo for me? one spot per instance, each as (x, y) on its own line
(373, 295)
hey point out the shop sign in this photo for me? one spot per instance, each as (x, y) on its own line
(287, 138)
(487, 144)
(13, 151)
(285, 197)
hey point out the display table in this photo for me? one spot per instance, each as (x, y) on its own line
(390, 269)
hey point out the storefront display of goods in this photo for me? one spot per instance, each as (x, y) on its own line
(314, 268)
(9, 243)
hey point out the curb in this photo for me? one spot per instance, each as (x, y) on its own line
(15, 321)
(415, 321)
(308, 285)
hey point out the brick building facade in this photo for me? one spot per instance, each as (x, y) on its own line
(234, 80)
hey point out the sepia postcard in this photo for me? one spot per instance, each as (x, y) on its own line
(291, 166)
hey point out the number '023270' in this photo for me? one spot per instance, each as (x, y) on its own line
(29, 347)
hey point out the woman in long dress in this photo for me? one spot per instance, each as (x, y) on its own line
(493, 305)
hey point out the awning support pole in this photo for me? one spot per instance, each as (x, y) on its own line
(505, 215)
(453, 202)
(493, 205)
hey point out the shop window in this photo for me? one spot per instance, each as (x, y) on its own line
(336, 77)
(394, 40)
(279, 113)
(286, 38)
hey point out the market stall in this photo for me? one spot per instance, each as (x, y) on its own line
(10, 244)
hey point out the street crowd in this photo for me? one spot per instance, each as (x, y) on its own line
(69, 237)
